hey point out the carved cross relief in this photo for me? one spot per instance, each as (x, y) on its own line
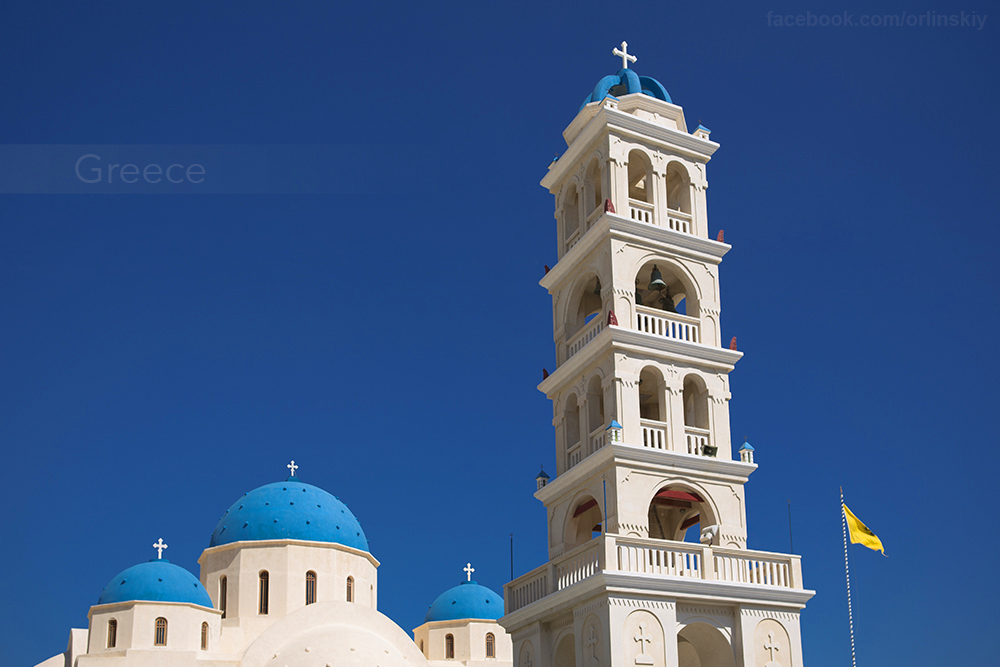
(772, 646)
(592, 642)
(643, 658)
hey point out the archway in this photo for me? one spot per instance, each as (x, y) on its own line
(565, 655)
(678, 513)
(702, 645)
(585, 523)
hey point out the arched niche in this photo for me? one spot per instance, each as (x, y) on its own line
(583, 523)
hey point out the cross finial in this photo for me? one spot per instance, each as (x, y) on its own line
(625, 55)
(291, 466)
(159, 546)
(468, 569)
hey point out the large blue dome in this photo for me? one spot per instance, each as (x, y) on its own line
(155, 581)
(626, 81)
(468, 600)
(289, 510)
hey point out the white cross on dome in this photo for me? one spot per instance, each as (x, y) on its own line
(159, 546)
(468, 569)
(291, 466)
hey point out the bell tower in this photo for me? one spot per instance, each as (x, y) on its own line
(647, 529)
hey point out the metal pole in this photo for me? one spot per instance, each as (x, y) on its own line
(847, 572)
(512, 556)
(791, 544)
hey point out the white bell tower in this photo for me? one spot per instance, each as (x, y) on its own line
(646, 514)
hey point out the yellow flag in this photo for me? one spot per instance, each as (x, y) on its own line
(860, 533)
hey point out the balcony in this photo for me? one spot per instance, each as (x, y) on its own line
(588, 333)
(654, 434)
(679, 222)
(597, 438)
(640, 211)
(661, 559)
(667, 325)
(574, 455)
(696, 439)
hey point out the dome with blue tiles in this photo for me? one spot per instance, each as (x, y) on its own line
(467, 600)
(289, 510)
(159, 580)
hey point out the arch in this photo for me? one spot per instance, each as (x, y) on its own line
(112, 633)
(596, 420)
(652, 395)
(678, 187)
(678, 294)
(449, 647)
(640, 176)
(571, 430)
(702, 645)
(350, 589)
(571, 215)
(310, 587)
(204, 636)
(584, 304)
(525, 655)
(676, 508)
(491, 645)
(584, 520)
(593, 187)
(695, 405)
(263, 584)
(160, 634)
(565, 653)
(223, 594)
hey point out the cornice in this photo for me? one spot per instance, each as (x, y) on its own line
(125, 604)
(262, 544)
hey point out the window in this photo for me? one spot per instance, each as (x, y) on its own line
(161, 632)
(491, 645)
(223, 594)
(112, 633)
(262, 603)
(449, 647)
(350, 589)
(310, 587)
(204, 636)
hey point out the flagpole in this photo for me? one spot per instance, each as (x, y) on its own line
(847, 572)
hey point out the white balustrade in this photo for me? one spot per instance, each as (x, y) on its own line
(654, 434)
(527, 589)
(679, 222)
(667, 325)
(697, 439)
(674, 559)
(749, 568)
(575, 455)
(596, 439)
(589, 332)
(595, 214)
(640, 211)
(573, 239)
(578, 566)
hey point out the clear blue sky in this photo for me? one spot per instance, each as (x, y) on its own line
(160, 354)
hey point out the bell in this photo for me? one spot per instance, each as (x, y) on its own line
(656, 280)
(668, 302)
(597, 288)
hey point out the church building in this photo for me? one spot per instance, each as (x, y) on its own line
(646, 514)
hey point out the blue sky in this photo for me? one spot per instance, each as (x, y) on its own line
(161, 354)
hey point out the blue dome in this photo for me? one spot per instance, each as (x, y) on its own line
(289, 510)
(155, 581)
(468, 600)
(625, 83)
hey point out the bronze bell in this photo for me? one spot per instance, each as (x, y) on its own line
(656, 280)
(668, 302)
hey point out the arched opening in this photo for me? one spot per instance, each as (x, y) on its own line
(585, 524)
(571, 216)
(593, 182)
(160, 635)
(652, 408)
(678, 188)
(702, 645)
(640, 186)
(588, 306)
(571, 422)
(658, 286)
(565, 655)
(223, 594)
(677, 513)
(310, 587)
(595, 413)
(449, 647)
(204, 636)
(696, 420)
(263, 582)
(350, 589)
(112, 633)
(491, 645)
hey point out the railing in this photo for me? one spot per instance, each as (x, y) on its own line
(697, 439)
(657, 558)
(587, 334)
(573, 239)
(679, 221)
(667, 325)
(575, 455)
(640, 211)
(654, 434)
(596, 439)
(595, 214)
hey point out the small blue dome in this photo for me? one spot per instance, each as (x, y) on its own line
(155, 581)
(625, 82)
(467, 600)
(289, 510)
(746, 447)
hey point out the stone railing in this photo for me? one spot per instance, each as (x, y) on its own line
(667, 325)
(573, 239)
(679, 222)
(654, 434)
(640, 211)
(656, 558)
(596, 439)
(575, 455)
(584, 336)
(697, 439)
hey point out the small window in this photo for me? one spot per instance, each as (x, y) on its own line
(161, 632)
(263, 591)
(350, 589)
(491, 645)
(204, 636)
(449, 647)
(223, 594)
(112, 633)
(310, 587)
